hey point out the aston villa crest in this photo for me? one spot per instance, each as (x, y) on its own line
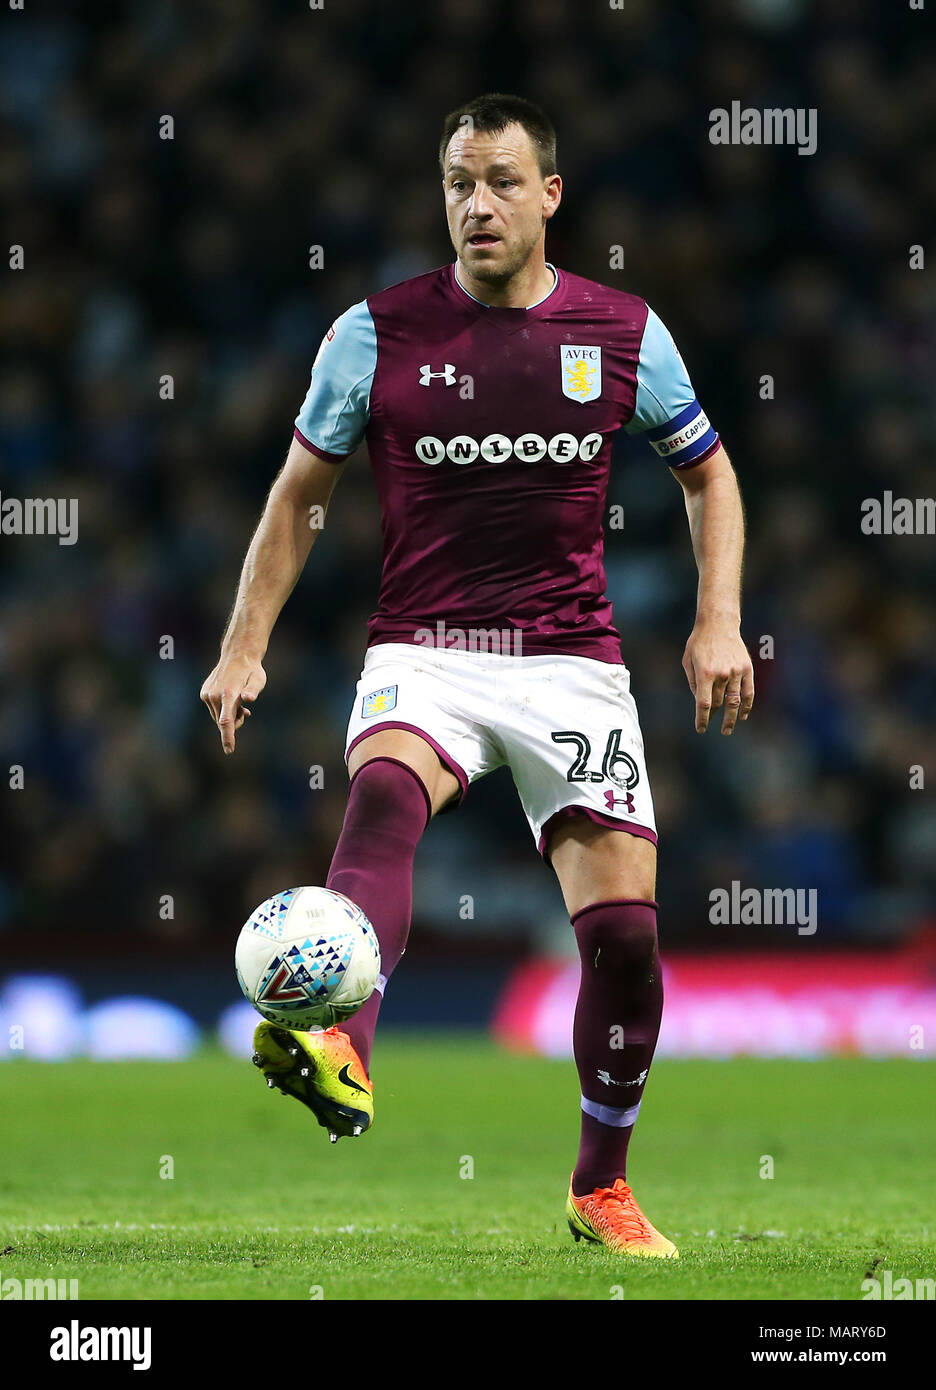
(581, 372)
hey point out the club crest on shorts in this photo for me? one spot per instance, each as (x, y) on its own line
(581, 372)
(379, 701)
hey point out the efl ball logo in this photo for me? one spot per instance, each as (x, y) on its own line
(307, 958)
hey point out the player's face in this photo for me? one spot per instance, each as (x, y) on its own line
(496, 201)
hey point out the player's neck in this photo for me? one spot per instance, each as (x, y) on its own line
(525, 290)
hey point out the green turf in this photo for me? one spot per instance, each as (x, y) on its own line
(262, 1207)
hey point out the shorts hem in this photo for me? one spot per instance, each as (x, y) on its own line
(445, 759)
(643, 832)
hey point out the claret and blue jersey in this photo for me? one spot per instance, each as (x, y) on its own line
(490, 432)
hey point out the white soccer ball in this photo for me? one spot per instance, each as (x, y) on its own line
(307, 958)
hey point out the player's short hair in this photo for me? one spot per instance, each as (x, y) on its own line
(494, 112)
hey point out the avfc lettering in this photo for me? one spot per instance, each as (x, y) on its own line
(581, 372)
(499, 448)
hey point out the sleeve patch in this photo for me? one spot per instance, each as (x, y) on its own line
(683, 438)
(666, 409)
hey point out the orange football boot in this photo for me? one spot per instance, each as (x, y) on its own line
(611, 1217)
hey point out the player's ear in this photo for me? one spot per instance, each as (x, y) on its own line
(552, 195)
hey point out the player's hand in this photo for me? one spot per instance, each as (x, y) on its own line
(720, 673)
(229, 692)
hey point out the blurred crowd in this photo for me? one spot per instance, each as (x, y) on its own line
(785, 279)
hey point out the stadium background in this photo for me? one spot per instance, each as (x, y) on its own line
(190, 257)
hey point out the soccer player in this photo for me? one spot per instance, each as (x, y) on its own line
(489, 392)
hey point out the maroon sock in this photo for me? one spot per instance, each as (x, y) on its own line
(617, 1020)
(388, 810)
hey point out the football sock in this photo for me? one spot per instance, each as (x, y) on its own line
(388, 810)
(617, 1021)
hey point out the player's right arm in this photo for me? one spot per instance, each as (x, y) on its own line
(280, 547)
(329, 427)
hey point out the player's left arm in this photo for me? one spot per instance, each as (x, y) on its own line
(716, 661)
(666, 411)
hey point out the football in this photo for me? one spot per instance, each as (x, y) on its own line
(307, 958)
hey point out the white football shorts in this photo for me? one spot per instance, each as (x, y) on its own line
(566, 726)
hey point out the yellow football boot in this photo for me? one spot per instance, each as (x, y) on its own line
(611, 1216)
(323, 1071)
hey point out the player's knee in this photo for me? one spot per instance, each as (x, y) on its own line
(380, 785)
(617, 936)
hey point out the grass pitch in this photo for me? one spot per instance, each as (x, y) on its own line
(261, 1206)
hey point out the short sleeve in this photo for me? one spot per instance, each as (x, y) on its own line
(335, 412)
(666, 409)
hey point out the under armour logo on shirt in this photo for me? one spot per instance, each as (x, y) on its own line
(426, 375)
